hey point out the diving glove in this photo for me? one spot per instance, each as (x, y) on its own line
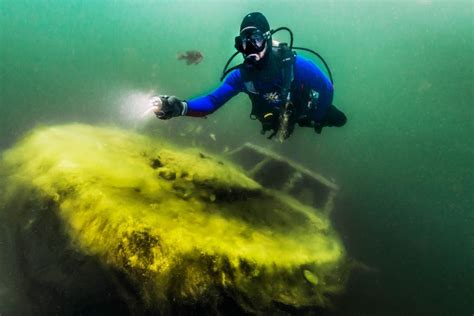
(166, 107)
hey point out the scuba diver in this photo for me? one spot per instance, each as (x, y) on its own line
(285, 89)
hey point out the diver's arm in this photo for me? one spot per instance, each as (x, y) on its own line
(207, 104)
(310, 74)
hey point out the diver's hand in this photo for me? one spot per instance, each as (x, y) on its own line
(166, 107)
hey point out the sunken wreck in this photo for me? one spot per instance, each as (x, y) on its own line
(98, 220)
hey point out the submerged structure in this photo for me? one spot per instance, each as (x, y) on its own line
(103, 220)
(288, 177)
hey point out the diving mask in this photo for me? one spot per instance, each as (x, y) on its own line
(251, 41)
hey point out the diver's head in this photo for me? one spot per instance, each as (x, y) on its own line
(255, 39)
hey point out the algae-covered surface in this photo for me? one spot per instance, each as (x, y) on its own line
(182, 226)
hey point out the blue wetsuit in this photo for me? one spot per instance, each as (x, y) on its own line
(306, 74)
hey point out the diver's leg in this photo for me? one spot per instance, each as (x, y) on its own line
(334, 117)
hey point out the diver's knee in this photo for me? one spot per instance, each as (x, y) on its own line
(335, 117)
(341, 120)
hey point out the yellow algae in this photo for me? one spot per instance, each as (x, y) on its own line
(181, 224)
(311, 277)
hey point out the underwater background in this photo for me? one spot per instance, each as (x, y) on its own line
(403, 74)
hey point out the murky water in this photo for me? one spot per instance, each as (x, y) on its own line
(403, 74)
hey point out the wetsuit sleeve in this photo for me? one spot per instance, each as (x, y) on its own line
(309, 74)
(207, 104)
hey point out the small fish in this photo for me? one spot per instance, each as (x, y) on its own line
(212, 136)
(192, 57)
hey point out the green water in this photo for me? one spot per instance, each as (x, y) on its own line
(403, 74)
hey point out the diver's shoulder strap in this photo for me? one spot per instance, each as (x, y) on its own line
(287, 60)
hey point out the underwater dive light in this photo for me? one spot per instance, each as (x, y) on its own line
(136, 105)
